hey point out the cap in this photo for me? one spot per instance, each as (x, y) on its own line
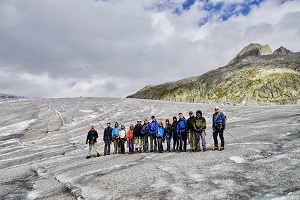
(139, 120)
(191, 112)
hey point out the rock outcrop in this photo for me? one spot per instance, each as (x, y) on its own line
(282, 51)
(9, 96)
(255, 76)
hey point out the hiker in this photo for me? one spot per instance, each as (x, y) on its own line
(219, 123)
(92, 140)
(190, 131)
(145, 135)
(115, 138)
(122, 139)
(107, 139)
(168, 135)
(138, 136)
(160, 137)
(199, 127)
(130, 139)
(181, 130)
(153, 128)
(175, 134)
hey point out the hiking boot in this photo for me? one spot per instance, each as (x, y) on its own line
(215, 148)
(88, 157)
(204, 149)
(221, 148)
(98, 154)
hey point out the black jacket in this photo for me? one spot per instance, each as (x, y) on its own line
(92, 136)
(137, 130)
(189, 124)
(168, 132)
(173, 129)
(107, 132)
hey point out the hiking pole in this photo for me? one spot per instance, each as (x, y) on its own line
(211, 136)
(230, 134)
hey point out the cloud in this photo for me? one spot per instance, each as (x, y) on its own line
(56, 48)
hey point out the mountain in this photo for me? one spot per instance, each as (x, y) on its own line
(9, 96)
(256, 76)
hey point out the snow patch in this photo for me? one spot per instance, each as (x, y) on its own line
(87, 111)
(32, 195)
(237, 159)
(15, 128)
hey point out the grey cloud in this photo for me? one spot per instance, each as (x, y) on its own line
(79, 48)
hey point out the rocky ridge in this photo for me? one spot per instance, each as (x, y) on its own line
(9, 96)
(256, 76)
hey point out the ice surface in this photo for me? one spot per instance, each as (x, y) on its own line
(43, 150)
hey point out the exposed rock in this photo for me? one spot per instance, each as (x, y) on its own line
(252, 78)
(282, 51)
(9, 96)
(252, 50)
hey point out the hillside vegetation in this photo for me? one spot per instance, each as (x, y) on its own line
(256, 76)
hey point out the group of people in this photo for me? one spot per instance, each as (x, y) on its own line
(149, 136)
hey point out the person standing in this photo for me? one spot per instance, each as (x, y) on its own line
(122, 139)
(200, 126)
(181, 130)
(160, 137)
(219, 123)
(190, 131)
(92, 140)
(107, 139)
(175, 134)
(145, 135)
(168, 134)
(130, 138)
(115, 138)
(138, 136)
(153, 126)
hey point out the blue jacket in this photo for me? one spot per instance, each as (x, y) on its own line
(160, 132)
(153, 127)
(181, 124)
(115, 132)
(218, 119)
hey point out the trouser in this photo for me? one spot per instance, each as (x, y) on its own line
(122, 147)
(138, 144)
(215, 135)
(193, 141)
(145, 143)
(107, 141)
(159, 144)
(175, 143)
(93, 144)
(182, 141)
(116, 145)
(153, 143)
(168, 144)
(131, 146)
(201, 135)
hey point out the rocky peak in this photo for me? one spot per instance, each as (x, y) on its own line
(282, 51)
(252, 50)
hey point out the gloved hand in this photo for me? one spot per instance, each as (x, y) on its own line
(86, 142)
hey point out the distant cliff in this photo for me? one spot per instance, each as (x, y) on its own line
(256, 76)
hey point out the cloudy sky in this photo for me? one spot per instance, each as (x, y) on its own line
(71, 48)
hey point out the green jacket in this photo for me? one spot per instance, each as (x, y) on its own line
(199, 124)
